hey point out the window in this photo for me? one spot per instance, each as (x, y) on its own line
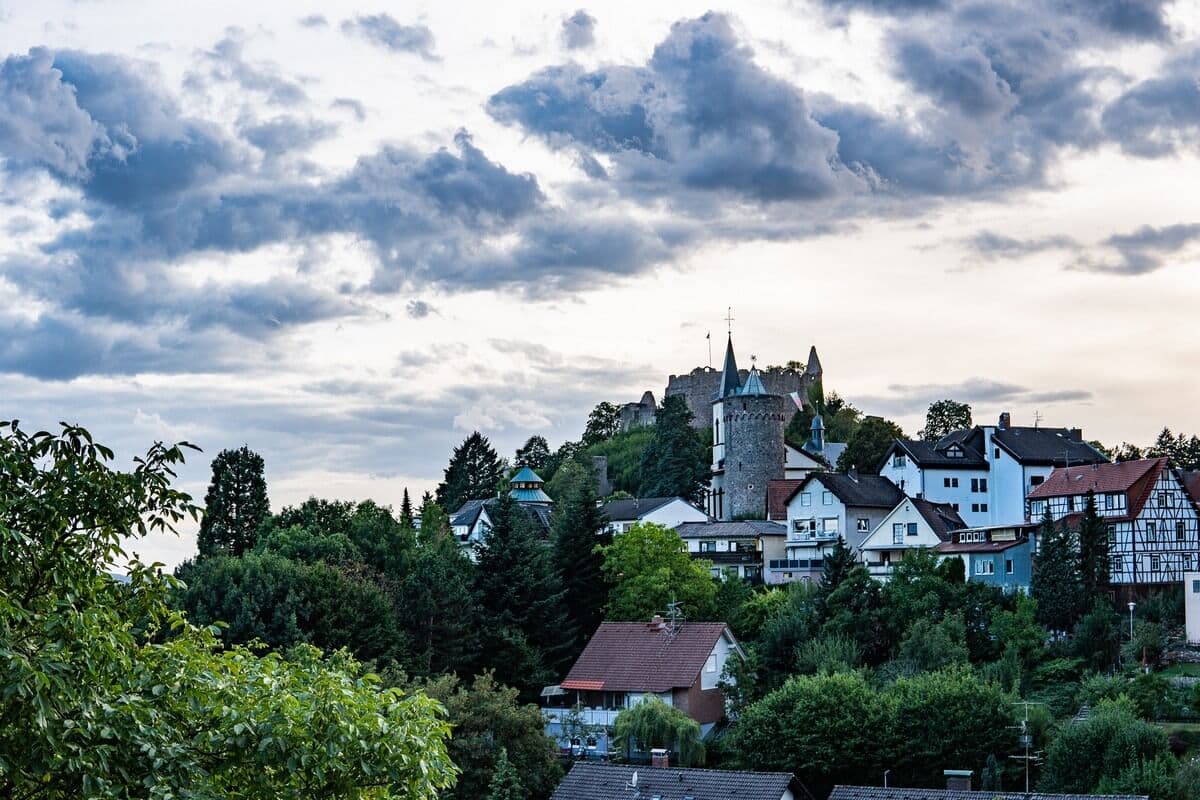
(899, 461)
(829, 526)
(1037, 508)
(1195, 587)
(1110, 501)
(745, 546)
(1155, 563)
(978, 484)
(912, 529)
(1070, 502)
(1114, 565)
(711, 664)
(898, 533)
(954, 483)
(1112, 534)
(806, 498)
(1037, 480)
(987, 567)
(946, 483)
(996, 454)
(708, 547)
(716, 431)
(1008, 566)
(864, 525)
(975, 507)
(983, 484)
(1179, 529)
(954, 451)
(954, 506)
(826, 498)
(983, 507)
(1151, 531)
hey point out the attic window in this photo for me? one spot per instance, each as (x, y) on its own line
(954, 452)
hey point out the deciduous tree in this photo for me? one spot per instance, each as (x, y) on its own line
(943, 417)
(648, 568)
(603, 423)
(533, 454)
(653, 724)
(869, 445)
(235, 506)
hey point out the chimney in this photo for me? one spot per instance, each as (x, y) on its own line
(958, 780)
(657, 623)
(1075, 434)
(1005, 420)
(659, 758)
(853, 474)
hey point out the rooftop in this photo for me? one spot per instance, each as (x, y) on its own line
(588, 781)
(868, 491)
(643, 656)
(635, 508)
(1098, 478)
(748, 528)
(900, 793)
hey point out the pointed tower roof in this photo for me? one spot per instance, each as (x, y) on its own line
(730, 382)
(814, 363)
(754, 384)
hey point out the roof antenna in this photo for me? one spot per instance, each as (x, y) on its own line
(674, 618)
(1037, 419)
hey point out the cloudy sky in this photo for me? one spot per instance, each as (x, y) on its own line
(348, 236)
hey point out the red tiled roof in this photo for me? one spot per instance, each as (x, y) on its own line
(779, 491)
(1191, 482)
(1098, 478)
(640, 657)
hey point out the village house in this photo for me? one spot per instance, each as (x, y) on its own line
(985, 473)
(471, 520)
(626, 662)
(914, 524)
(736, 549)
(997, 555)
(1153, 522)
(592, 781)
(621, 515)
(821, 508)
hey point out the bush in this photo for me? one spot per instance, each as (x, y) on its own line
(828, 654)
(1107, 743)
(1148, 645)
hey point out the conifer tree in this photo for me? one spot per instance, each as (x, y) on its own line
(1056, 585)
(1093, 552)
(505, 783)
(675, 462)
(406, 511)
(473, 474)
(578, 528)
(236, 505)
(836, 566)
(533, 454)
(435, 605)
(526, 635)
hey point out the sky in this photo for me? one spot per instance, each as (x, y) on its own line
(349, 235)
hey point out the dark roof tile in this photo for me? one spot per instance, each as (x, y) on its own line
(901, 793)
(588, 781)
(641, 657)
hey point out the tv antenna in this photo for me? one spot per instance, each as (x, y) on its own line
(1025, 741)
(675, 618)
(1037, 419)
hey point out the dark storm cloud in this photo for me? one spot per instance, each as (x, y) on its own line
(962, 78)
(579, 30)
(383, 30)
(1140, 251)
(1136, 19)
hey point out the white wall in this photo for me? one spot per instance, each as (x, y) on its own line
(718, 657)
(1191, 605)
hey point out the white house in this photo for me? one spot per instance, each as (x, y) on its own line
(986, 473)
(821, 508)
(471, 520)
(914, 524)
(666, 511)
(1153, 522)
(736, 549)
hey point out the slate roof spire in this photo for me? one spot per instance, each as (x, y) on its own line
(754, 384)
(730, 382)
(814, 363)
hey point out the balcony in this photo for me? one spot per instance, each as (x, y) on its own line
(792, 564)
(799, 537)
(600, 717)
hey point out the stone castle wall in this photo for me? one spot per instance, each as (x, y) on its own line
(699, 386)
(754, 451)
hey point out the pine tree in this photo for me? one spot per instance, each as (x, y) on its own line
(435, 605)
(236, 505)
(533, 454)
(675, 462)
(505, 783)
(406, 512)
(835, 568)
(1093, 552)
(473, 474)
(578, 528)
(1056, 584)
(526, 635)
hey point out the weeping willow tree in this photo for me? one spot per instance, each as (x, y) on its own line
(652, 723)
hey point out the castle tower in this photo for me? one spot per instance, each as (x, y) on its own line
(753, 422)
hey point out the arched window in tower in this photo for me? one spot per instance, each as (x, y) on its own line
(716, 431)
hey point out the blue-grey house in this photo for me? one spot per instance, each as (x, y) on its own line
(998, 555)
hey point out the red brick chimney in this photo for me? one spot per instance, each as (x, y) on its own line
(656, 623)
(659, 758)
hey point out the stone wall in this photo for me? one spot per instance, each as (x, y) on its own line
(754, 451)
(699, 386)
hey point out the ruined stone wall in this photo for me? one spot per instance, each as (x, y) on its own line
(699, 386)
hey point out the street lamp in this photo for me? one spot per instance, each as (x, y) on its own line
(1132, 606)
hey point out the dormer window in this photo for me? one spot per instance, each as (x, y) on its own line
(954, 451)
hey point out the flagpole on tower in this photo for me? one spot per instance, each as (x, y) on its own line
(708, 336)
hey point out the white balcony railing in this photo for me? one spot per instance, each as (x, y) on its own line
(603, 717)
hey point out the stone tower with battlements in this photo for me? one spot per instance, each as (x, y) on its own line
(699, 386)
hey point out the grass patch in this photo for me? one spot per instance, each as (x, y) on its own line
(1181, 670)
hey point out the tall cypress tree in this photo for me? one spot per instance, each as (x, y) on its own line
(1056, 584)
(435, 606)
(675, 462)
(1093, 552)
(473, 474)
(406, 511)
(578, 527)
(236, 505)
(835, 568)
(526, 635)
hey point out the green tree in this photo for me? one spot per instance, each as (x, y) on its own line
(406, 512)
(930, 645)
(506, 781)
(533, 454)
(856, 610)
(473, 474)
(653, 724)
(434, 605)
(307, 546)
(111, 693)
(648, 567)
(1056, 584)
(675, 462)
(943, 417)
(1127, 452)
(603, 423)
(1018, 631)
(1097, 638)
(489, 719)
(1154, 778)
(624, 454)
(525, 633)
(869, 444)
(323, 517)
(1104, 745)
(1093, 552)
(835, 568)
(235, 506)
(577, 530)
(828, 654)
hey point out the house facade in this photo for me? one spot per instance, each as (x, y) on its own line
(1153, 521)
(986, 473)
(914, 524)
(471, 520)
(736, 549)
(822, 508)
(1000, 556)
(625, 663)
(621, 515)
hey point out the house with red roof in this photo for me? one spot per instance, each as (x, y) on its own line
(625, 663)
(1153, 521)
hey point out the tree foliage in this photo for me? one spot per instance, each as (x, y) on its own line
(868, 445)
(1056, 584)
(506, 781)
(943, 417)
(603, 422)
(577, 530)
(675, 463)
(474, 473)
(533, 454)
(111, 693)
(1092, 537)
(235, 506)
(648, 567)
(1111, 740)
(1182, 450)
(654, 724)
